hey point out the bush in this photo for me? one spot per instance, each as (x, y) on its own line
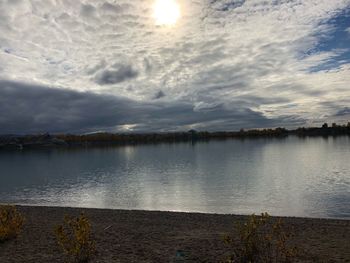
(261, 241)
(74, 237)
(11, 222)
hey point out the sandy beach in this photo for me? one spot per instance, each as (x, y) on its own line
(144, 236)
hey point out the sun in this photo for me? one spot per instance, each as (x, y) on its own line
(166, 12)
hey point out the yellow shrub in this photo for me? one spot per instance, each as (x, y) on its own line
(11, 222)
(74, 237)
(261, 242)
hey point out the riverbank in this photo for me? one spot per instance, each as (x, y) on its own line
(144, 236)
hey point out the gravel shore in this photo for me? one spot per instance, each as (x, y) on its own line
(145, 236)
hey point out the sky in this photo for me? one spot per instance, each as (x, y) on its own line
(114, 65)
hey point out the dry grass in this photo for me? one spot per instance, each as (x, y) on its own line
(75, 239)
(261, 241)
(11, 222)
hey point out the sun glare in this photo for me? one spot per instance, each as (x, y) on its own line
(166, 12)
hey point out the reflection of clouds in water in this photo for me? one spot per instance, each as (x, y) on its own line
(289, 176)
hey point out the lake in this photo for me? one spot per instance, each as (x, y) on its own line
(308, 177)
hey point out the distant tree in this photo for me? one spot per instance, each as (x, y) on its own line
(325, 126)
(334, 125)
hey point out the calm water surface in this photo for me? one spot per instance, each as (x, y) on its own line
(292, 177)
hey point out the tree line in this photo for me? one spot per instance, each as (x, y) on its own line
(104, 138)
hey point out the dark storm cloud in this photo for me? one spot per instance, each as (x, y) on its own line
(160, 94)
(343, 112)
(109, 8)
(87, 10)
(27, 108)
(226, 5)
(118, 73)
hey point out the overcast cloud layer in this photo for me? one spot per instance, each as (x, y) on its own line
(84, 66)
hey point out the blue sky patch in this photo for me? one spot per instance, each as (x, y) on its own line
(337, 40)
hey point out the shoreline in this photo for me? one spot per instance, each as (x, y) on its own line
(174, 211)
(156, 236)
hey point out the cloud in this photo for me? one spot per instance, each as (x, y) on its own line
(343, 112)
(87, 10)
(35, 108)
(117, 74)
(112, 9)
(262, 61)
(160, 94)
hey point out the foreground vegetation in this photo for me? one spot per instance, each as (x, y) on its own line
(261, 241)
(11, 222)
(74, 237)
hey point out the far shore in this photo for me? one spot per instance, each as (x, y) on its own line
(47, 141)
(153, 236)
